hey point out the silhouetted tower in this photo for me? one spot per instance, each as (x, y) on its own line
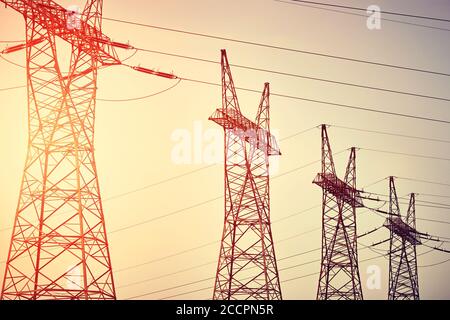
(247, 267)
(339, 273)
(403, 275)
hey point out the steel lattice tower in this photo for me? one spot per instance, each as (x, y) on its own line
(403, 273)
(339, 272)
(59, 248)
(247, 267)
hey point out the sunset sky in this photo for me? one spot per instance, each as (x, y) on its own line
(157, 227)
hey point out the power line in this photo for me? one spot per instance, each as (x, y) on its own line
(215, 242)
(12, 62)
(405, 154)
(421, 203)
(288, 280)
(435, 264)
(167, 274)
(141, 97)
(389, 133)
(364, 15)
(294, 75)
(424, 181)
(204, 35)
(284, 281)
(365, 10)
(207, 263)
(433, 195)
(206, 245)
(211, 278)
(266, 71)
(10, 41)
(120, 195)
(330, 103)
(12, 88)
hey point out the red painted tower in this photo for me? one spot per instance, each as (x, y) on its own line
(339, 273)
(247, 267)
(59, 248)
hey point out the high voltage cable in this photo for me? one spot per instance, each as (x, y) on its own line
(405, 154)
(294, 75)
(424, 181)
(267, 71)
(330, 103)
(365, 10)
(435, 264)
(210, 200)
(211, 278)
(419, 202)
(215, 242)
(12, 88)
(203, 246)
(141, 97)
(189, 173)
(204, 35)
(288, 280)
(433, 195)
(207, 263)
(389, 133)
(363, 15)
(290, 267)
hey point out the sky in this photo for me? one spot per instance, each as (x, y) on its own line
(137, 143)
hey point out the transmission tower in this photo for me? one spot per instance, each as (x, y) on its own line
(59, 248)
(403, 275)
(339, 273)
(247, 267)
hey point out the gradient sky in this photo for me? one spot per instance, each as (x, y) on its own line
(134, 140)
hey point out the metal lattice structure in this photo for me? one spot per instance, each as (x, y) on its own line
(247, 266)
(403, 272)
(59, 248)
(339, 273)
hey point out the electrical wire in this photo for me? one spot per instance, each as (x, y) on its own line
(329, 103)
(12, 88)
(405, 154)
(434, 264)
(204, 35)
(283, 74)
(434, 195)
(388, 133)
(436, 248)
(210, 200)
(283, 281)
(365, 10)
(424, 181)
(120, 195)
(216, 242)
(12, 62)
(363, 15)
(142, 97)
(294, 75)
